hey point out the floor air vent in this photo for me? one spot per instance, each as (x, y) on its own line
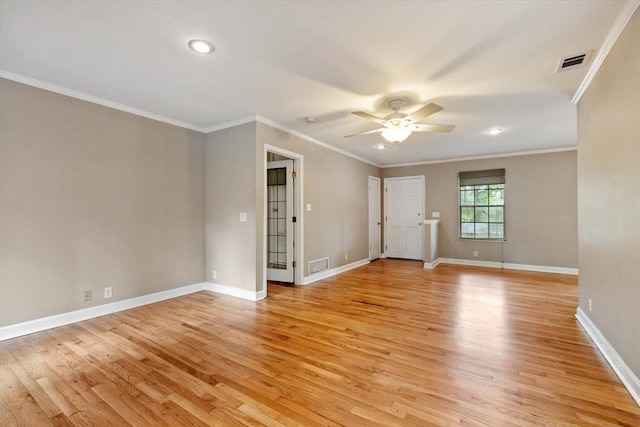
(318, 265)
(573, 62)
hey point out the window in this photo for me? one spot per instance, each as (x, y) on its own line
(482, 204)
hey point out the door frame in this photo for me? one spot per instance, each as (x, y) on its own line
(386, 223)
(298, 212)
(375, 178)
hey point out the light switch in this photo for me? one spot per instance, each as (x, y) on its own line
(435, 214)
(243, 217)
(308, 206)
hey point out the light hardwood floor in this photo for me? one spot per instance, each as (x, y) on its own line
(388, 343)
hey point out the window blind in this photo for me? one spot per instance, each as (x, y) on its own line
(486, 177)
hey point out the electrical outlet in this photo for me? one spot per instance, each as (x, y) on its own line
(309, 206)
(87, 295)
(215, 274)
(475, 254)
(243, 217)
(108, 292)
(346, 257)
(589, 304)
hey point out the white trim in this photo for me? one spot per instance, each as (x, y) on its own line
(541, 268)
(472, 262)
(382, 255)
(618, 26)
(510, 266)
(298, 162)
(628, 378)
(229, 124)
(432, 265)
(235, 292)
(487, 156)
(42, 324)
(431, 221)
(334, 271)
(293, 132)
(95, 100)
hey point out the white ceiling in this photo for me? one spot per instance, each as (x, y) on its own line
(489, 64)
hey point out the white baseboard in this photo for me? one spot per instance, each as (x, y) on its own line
(472, 262)
(334, 271)
(628, 378)
(541, 268)
(235, 292)
(506, 265)
(432, 265)
(42, 324)
(383, 255)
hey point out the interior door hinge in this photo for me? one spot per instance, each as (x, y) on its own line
(294, 219)
(385, 218)
(385, 189)
(385, 247)
(295, 264)
(293, 174)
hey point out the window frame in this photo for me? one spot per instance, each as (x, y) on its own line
(504, 215)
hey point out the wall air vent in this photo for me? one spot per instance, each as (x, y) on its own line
(318, 265)
(573, 62)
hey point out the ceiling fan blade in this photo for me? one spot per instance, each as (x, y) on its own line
(432, 128)
(424, 112)
(365, 133)
(369, 116)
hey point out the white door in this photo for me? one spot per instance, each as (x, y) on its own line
(374, 218)
(403, 217)
(280, 221)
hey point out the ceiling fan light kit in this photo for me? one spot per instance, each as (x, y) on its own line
(399, 126)
(396, 135)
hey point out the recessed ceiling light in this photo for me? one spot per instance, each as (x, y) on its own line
(494, 131)
(380, 146)
(201, 46)
(309, 120)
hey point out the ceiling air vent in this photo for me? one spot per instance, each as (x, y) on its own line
(574, 61)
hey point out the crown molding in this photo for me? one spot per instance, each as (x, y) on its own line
(257, 118)
(95, 100)
(230, 124)
(274, 124)
(618, 26)
(488, 156)
(301, 135)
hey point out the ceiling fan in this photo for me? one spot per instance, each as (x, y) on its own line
(398, 126)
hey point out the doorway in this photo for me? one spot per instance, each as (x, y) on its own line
(374, 218)
(283, 230)
(404, 213)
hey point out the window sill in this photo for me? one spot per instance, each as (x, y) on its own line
(467, 239)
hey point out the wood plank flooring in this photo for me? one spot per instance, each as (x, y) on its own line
(385, 344)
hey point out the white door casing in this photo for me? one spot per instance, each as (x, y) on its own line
(280, 224)
(374, 218)
(404, 212)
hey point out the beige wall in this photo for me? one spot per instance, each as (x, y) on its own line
(92, 197)
(609, 198)
(231, 190)
(540, 205)
(336, 186)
